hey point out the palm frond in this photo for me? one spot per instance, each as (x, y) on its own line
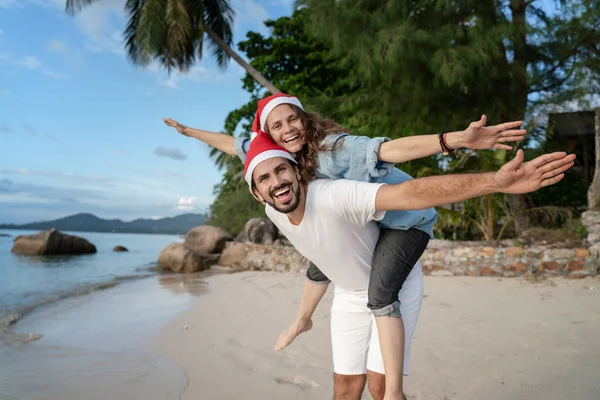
(178, 49)
(132, 8)
(218, 16)
(72, 7)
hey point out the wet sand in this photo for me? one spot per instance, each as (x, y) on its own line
(96, 346)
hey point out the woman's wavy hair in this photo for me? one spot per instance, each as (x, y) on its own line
(316, 129)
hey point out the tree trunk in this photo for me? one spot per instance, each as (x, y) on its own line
(594, 190)
(517, 205)
(249, 68)
(517, 202)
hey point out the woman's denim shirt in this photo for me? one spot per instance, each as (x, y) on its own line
(356, 158)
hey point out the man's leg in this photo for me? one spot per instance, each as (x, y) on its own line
(376, 384)
(395, 255)
(351, 326)
(348, 387)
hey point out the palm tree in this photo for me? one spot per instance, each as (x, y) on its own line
(172, 31)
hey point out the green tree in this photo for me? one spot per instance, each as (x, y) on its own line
(234, 205)
(431, 65)
(172, 32)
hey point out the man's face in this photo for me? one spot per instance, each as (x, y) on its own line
(277, 184)
(285, 127)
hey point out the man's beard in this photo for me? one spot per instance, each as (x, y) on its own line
(291, 205)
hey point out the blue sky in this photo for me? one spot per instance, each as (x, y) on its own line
(80, 127)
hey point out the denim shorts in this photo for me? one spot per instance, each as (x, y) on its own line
(396, 253)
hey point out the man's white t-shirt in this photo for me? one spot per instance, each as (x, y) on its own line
(338, 232)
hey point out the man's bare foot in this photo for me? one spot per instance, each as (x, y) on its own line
(288, 335)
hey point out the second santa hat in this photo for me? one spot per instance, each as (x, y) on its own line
(266, 105)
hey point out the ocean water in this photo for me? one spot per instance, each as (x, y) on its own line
(27, 282)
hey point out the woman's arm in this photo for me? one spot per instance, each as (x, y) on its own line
(220, 141)
(476, 136)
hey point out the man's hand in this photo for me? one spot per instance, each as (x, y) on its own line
(517, 177)
(288, 335)
(479, 136)
(174, 124)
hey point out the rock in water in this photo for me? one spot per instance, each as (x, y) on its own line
(177, 257)
(120, 248)
(52, 241)
(259, 231)
(206, 239)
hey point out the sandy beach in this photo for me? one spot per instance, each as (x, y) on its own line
(173, 337)
(477, 338)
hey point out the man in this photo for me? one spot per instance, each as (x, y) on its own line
(332, 223)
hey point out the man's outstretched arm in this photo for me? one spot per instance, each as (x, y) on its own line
(515, 177)
(311, 296)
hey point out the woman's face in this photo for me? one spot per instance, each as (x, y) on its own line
(285, 127)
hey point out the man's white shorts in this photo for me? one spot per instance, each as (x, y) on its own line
(354, 338)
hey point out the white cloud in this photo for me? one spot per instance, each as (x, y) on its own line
(56, 46)
(187, 203)
(34, 64)
(196, 74)
(20, 3)
(102, 22)
(171, 83)
(30, 62)
(8, 3)
(250, 10)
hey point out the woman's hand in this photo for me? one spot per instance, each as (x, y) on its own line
(479, 136)
(174, 124)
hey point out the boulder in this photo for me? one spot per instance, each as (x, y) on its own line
(177, 257)
(206, 239)
(592, 262)
(120, 248)
(259, 231)
(52, 241)
(233, 255)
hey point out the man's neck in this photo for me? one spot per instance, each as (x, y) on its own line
(295, 217)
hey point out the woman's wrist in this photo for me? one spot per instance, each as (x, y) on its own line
(455, 140)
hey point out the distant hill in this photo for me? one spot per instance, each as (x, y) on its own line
(90, 223)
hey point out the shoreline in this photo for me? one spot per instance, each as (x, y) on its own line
(9, 319)
(96, 345)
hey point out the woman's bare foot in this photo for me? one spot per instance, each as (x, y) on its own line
(288, 335)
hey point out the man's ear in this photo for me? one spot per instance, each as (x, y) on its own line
(257, 196)
(298, 176)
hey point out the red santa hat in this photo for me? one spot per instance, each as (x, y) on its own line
(266, 105)
(262, 148)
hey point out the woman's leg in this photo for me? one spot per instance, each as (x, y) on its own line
(395, 255)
